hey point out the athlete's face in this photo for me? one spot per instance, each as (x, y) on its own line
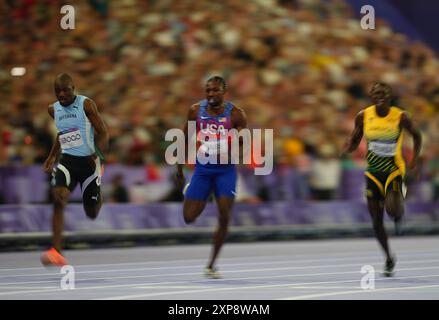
(214, 94)
(64, 92)
(380, 95)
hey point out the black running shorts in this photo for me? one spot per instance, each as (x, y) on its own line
(87, 171)
(378, 184)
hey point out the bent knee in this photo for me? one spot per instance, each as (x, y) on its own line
(395, 212)
(191, 211)
(59, 201)
(92, 212)
(189, 217)
(394, 204)
(60, 198)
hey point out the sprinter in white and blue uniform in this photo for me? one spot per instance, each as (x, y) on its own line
(214, 117)
(82, 135)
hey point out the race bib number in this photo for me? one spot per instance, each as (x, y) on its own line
(214, 147)
(70, 139)
(383, 149)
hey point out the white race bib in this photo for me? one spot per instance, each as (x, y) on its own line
(383, 149)
(70, 139)
(214, 147)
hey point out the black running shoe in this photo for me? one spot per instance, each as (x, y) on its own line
(390, 265)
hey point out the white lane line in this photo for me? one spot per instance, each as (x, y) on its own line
(220, 281)
(169, 287)
(331, 294)
(227, 271)
(159, 262)
(26, 288)
(359, 258)
(196, 262)
(148, 295)
(193, 266)
(265, 257)
(324, 287)
(179, 261)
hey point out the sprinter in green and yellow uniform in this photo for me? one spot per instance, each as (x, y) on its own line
(383, 126)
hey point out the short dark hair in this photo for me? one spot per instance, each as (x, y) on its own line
(218, 79)
(381, 84)
(64, 78)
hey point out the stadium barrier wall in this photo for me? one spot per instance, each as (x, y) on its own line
(28, 226)
(148, 184)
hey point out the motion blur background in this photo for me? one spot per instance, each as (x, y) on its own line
(301, 67)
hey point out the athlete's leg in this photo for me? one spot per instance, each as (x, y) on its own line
(376, 211)
(196, 195)
(225, 191)
(63, 182)
(60, 198)
(91, 188)
(225, 205)
(92, 201)
(192, 209)
(375, 203)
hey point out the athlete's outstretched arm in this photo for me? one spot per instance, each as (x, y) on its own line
(191, 116)
(54, 152)
(91, 110)
(407, 123)
(356, 135)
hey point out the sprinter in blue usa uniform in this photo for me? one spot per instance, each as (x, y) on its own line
(75, 158)
(214, 118)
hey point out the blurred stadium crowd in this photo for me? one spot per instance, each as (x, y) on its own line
(302, 67)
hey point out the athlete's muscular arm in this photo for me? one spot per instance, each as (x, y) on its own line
(407, 123)
(239, 122)
(239, 118)
(356, 135)
(191, 116)
(98, 124)
(54, 152)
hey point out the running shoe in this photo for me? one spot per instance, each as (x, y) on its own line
(53, 257)
(390, 265)
(212, 273)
